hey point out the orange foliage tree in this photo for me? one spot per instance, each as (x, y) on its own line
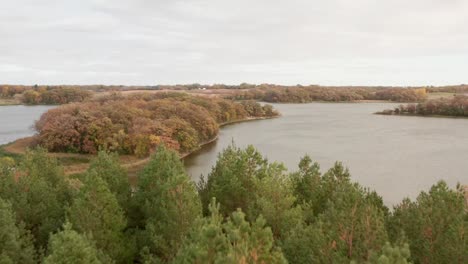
(138, 123)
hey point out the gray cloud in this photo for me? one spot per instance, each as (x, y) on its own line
(335, 42)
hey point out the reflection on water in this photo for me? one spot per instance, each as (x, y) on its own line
(17, 121)
(395, 155)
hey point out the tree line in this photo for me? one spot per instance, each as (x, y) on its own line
(307, 94)
(136, 124)
(55, 96)
(265, 92)
(248, 210)
(456, 106)
(45, 95)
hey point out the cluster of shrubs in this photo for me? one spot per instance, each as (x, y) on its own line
(456, 106)
(249, 210)
(330, 94)
(140, 122)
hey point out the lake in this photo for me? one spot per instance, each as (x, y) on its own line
(17, 121)
(398, 156)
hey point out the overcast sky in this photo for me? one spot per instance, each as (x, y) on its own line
(145, 42)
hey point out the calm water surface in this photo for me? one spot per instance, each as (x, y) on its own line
(17, 121)
(397, 156)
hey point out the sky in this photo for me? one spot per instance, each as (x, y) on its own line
(148, 42)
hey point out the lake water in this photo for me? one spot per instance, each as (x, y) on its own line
(398, 156)
(16, 121)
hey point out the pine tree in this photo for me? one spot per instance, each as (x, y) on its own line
(107, 166)
(39, 206)
(235, 241)
(15, 243)
(70, 247)
(41, 193)
(306, 181)
(435, 225)
(96, 212)
(232, 179)
(347, 221)
(276, 203)
(392, 255)
(168, 203)
(8, 188)
(353, 226)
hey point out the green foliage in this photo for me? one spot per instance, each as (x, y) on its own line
(39, 194)
(306, 184)
(353, 226)
(347, 221)
(306, 244)
(265, 215)
(96, 212)
(167, 204)
(234, 241)
(107, 167)
(392, 255)
(232, 179)
(15, 243)
(70, 247)
(275, 202)
(435, 225)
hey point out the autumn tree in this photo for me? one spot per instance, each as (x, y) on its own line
(137, 124)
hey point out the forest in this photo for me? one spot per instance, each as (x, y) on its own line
(136, 124)
(247, 210)
(456, 107)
